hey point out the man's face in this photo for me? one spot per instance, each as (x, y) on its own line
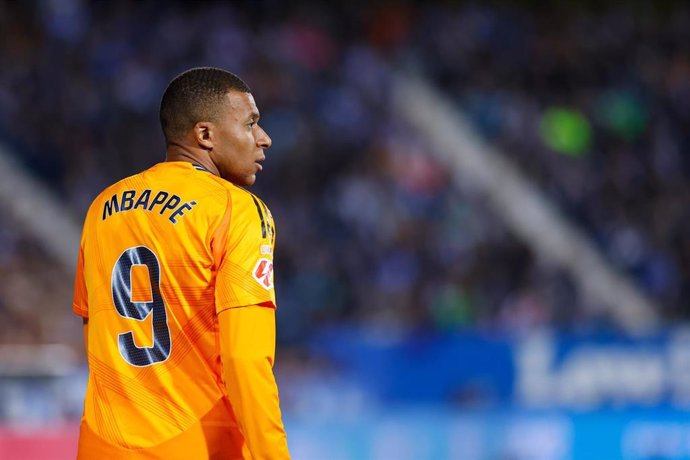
(239, 142)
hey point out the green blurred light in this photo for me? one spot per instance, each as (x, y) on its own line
(451, 307)
(566, 131)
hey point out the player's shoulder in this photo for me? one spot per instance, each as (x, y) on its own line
(240, 194)
(243, 199)
(235, 197)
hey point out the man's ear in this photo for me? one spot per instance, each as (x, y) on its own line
(204, 133)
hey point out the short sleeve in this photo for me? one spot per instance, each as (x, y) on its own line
(245, 271)
(80, 304)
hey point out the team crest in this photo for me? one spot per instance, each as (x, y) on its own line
(263, 273)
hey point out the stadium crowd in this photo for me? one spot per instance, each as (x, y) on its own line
(370, 228)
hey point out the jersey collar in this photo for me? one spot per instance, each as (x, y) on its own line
(200, 168)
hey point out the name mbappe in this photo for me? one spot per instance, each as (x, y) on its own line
(163, 202)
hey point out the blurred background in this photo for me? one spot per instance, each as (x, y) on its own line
(482, 209)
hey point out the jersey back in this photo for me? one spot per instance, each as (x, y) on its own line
(162, 253)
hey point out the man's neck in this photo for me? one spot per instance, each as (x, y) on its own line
(176, 152)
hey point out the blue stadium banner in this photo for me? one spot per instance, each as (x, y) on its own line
(540, 370)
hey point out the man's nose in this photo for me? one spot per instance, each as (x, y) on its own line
(263, 140)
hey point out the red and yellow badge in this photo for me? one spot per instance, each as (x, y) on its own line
(263, 273)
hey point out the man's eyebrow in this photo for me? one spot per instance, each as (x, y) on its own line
(254, 116)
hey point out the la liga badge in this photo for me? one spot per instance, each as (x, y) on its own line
(263, 273)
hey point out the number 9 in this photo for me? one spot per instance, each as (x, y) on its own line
(121, 286)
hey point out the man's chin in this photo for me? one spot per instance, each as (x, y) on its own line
(241, 180)
(246, 181)
(250, 180)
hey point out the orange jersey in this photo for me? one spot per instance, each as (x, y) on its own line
(162, 253)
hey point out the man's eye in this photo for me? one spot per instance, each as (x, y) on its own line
(251, 124)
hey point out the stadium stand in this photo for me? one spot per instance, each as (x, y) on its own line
(347, 179)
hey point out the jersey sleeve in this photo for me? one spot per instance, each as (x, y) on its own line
(245, 271)
(80, 304)
(247, 344)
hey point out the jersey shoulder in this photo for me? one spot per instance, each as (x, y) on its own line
(239, 199)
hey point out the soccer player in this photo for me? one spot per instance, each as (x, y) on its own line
(175, 286)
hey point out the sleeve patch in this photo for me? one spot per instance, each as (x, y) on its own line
(263, 273)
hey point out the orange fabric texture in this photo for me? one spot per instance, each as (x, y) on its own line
(247, 362)
(162, 253)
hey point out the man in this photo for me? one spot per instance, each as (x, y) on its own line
(175, 285)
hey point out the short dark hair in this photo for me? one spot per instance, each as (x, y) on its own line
(196, 95)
